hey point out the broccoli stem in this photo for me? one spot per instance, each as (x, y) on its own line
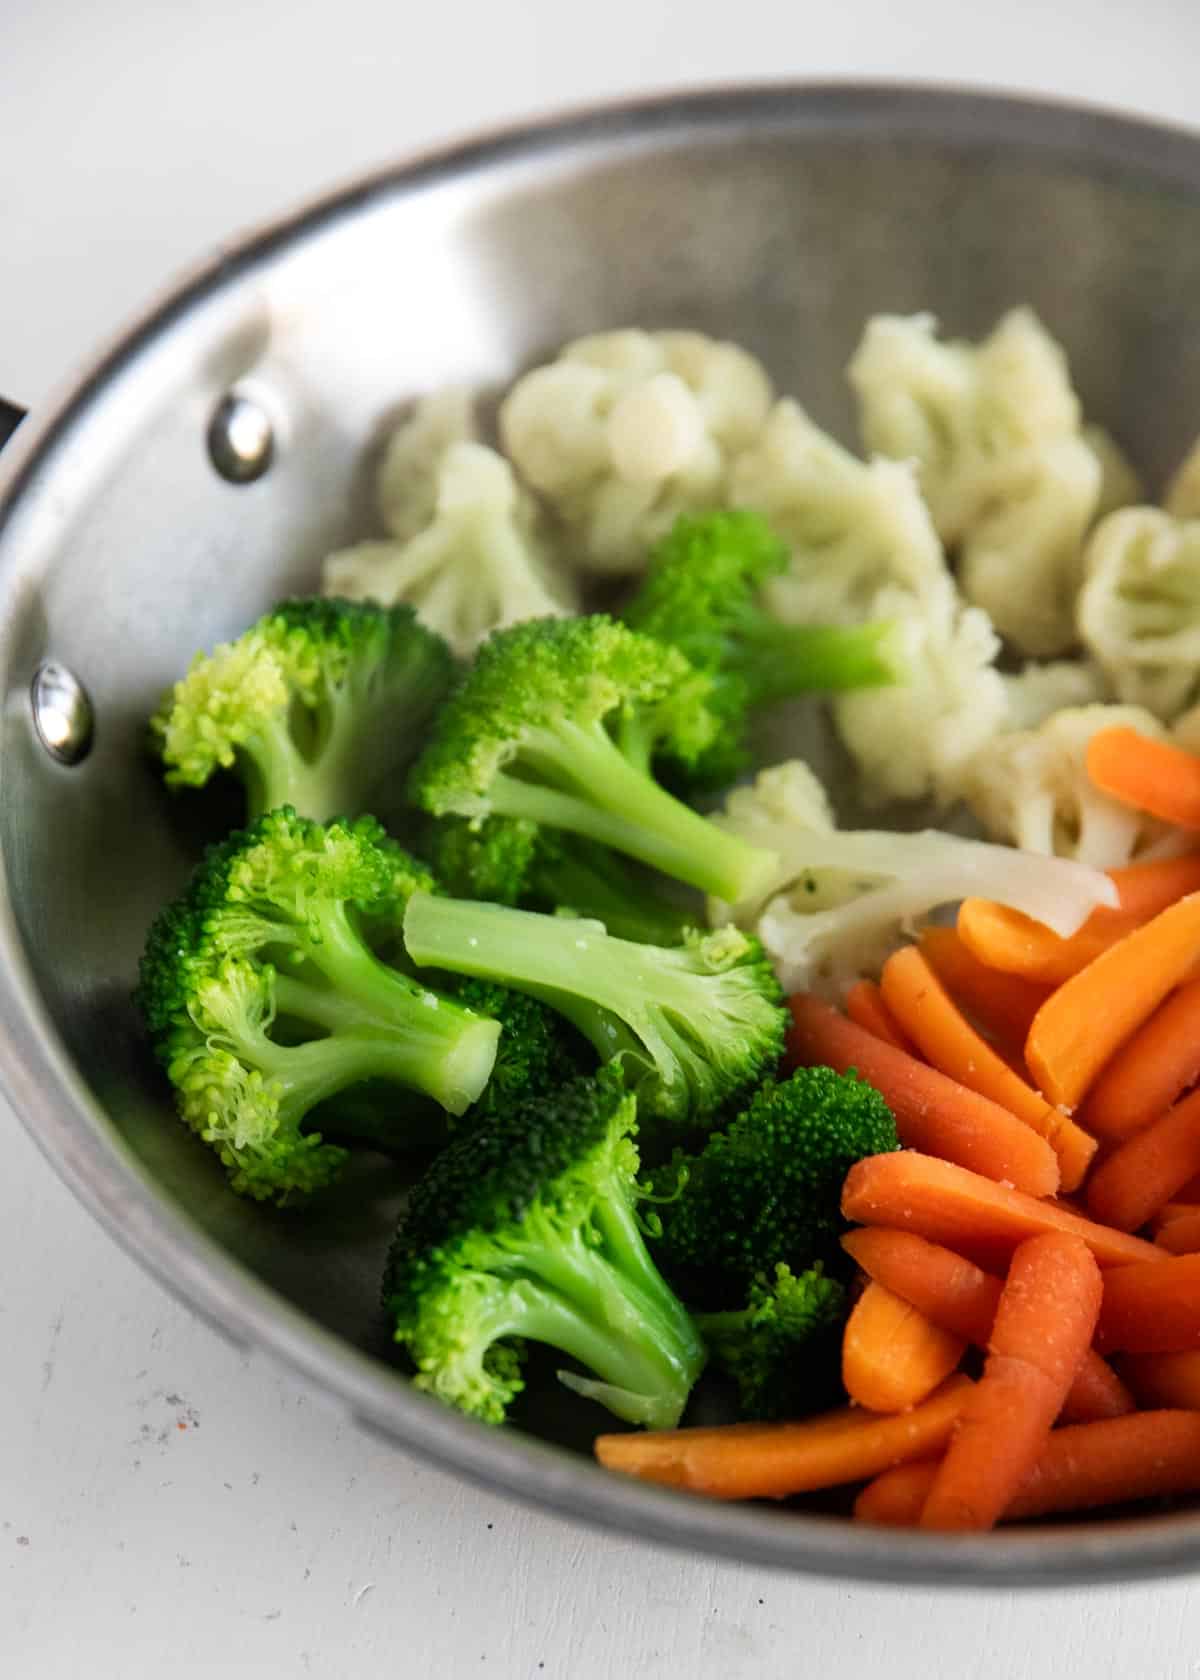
(782, 660)
(395, 1027)
(577, 881)
(604, 797)
(276, 774)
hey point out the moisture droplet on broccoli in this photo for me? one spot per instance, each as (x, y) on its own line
(526, 1229)
(320, 706)
(263, 991)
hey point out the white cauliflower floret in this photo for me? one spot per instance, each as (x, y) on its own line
(854, 528)
(913, 740)
(1037, 691)
(1031, 788)
(626, 430)
(843, 900)
(1139, 608)
(1120, 485)
(406, 484)
(1012, 483)
(1182, 497)
(480, 561)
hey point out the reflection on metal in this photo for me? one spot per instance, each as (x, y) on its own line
(62, 712)
(241, 440)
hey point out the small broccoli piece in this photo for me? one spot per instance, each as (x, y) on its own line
(264, 994)
(767, 1189)
(526, 1229)
(558, 722)
(318, 705)
(512, 861)
(695, 1025)
(481, 560)
(781, 1349)
(702, 596)
(538, 1050)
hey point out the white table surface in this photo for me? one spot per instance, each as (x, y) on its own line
(167, 1505)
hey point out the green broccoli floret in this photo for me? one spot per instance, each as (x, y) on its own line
(767, 1189)
(510, 860)
(320, 705)
(263, 991)
(526, 1229)
(538, 1052)
(559, 721)
(781, 1349)
(696, 1024)
(701, 595)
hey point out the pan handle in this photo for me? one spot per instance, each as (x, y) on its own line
(10, 418)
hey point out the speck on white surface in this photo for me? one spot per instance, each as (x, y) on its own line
(168, 1506)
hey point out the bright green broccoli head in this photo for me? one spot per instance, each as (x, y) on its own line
(695, 1025)
(491, 859)
(558, 723)
(526, 1229)
(262, 990)
(538, 1051)
(318, 705)
(782, 1349)
(767, 1189)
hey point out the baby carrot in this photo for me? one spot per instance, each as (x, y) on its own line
(1043, 1327)
(892, 1355)
(1150, 1071)
(1003, 1004)
(773, 1460)
(1153, 776)
(916, 998)
(1173, 1211)
(866, 1008)
(1152, 1308)
(971, 1214)
(1164, 1379)
(961, 1298)
(1082, 1024)
(932, 1113)
(1181, 1236)
(1141, 1176)
(1004, 939)
(1144, 1455)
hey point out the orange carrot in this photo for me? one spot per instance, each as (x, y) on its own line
(1148, 1073)
(773, 1460)
(1044, 1325)
(1181, 1236)
(866, 1008)
(892, 1356)
(1003, 1004)
(1152, 1308)
(1144, 1455)
(1130, 1186)
(1164, 1379)
(970, 1214)
(1153, 776)
(1082, 1024)
(1004, 939)
(932, 1112)
(916, 998)
(959, 1296)
(1173, 1211)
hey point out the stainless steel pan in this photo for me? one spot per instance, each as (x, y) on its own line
(215, 452)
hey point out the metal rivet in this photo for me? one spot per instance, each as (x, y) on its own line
(241, 440)
(62, 712)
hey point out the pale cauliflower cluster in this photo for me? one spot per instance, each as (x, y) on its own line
(624, 431)
(1012, 476)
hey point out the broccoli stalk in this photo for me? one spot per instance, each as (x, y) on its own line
(701, 595)
(265, 997)
(767, 1189)
(759, 1345)
(526, 1229)
(557, 722)
(512, 861)
(697, 1024)
(318, 706)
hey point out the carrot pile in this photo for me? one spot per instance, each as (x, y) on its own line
(1043, 1210)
